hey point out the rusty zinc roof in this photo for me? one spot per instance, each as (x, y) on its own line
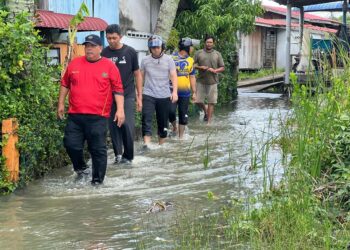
(50, 19)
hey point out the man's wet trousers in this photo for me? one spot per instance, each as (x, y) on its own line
(93, 129)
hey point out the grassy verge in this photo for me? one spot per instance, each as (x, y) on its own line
(243, 75)
(309, 209)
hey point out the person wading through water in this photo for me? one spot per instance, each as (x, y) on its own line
(186, 79)
(125, 57)
(209, 63)
(157, 68)
(91, 81)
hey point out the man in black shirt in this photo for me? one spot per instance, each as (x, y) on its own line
(125, 57)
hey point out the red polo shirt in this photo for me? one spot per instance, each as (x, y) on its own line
(91, 85)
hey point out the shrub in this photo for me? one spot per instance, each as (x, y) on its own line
(28, 92)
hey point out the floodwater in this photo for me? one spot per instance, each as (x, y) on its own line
(58, 212)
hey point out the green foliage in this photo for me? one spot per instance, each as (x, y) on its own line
(76, 20)
(28, 92)
(224, 19)
(310, 207)
(258, 74)
(173, 40)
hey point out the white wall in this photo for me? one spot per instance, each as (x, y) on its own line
(138, 15)
(281, 47)
(294, 50)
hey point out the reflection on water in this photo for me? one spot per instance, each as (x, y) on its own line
(58, 212)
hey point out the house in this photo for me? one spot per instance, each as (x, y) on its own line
(53, 17)
(265, 47)
(137, 18)
(108, 10)
(53, 28)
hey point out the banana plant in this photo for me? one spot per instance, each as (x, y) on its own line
(72, 32)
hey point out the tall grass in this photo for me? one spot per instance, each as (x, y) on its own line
(310, 209)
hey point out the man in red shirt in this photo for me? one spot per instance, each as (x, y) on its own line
(91, 81)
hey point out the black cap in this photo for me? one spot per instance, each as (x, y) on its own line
(93, 39)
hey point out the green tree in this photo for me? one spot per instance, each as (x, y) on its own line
(166, 18)
(28, 92)
(224, 19)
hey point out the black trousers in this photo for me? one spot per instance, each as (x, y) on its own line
(182, 104)
(124, 135)
(93, 129)
(161, 107)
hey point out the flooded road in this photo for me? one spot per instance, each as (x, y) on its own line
(57, 212)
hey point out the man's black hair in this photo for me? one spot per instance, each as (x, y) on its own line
(183, 47)
(209, 37)
(113, 28)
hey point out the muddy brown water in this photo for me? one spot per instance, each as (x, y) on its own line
(57, 212)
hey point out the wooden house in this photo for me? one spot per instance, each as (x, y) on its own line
(265, 47)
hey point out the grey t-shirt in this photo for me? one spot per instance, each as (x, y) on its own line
(212, 59)
(157, 72)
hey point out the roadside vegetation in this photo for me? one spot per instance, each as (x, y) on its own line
(310, 207)
(244, 75)
(28, 92)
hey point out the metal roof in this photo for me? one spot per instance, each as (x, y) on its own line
(282, 23)
(50, 19)
(335, 6)
(300, 3)
(296, 13)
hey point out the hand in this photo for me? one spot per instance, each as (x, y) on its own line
(204, 68)
(174, 97)
(60, 111)
(212, 70)
(194, 97)
(139, 104)
(119, 117)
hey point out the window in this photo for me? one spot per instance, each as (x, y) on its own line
(53, 57)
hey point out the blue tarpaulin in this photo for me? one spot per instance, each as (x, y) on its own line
(325, 45)
(334, 6)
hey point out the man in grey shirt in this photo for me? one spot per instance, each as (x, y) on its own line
(156, 69)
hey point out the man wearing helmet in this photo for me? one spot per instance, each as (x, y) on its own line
(209, 62)
(186, 82)
(157, 68)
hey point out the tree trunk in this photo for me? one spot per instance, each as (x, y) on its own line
(17, 6)
(166, 18)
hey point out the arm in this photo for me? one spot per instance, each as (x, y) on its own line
(196, 63)
(138, 77)
(193, 87)
(203, 68)
(61, 98)
(118, 95)
(216, 71)
(173, 78)
(221, 65)
(119, 117)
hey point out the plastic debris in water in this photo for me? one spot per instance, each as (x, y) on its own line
(159, 206)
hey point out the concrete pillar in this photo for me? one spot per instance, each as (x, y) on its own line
(345, 10)
(301, 29)
(288, 32)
